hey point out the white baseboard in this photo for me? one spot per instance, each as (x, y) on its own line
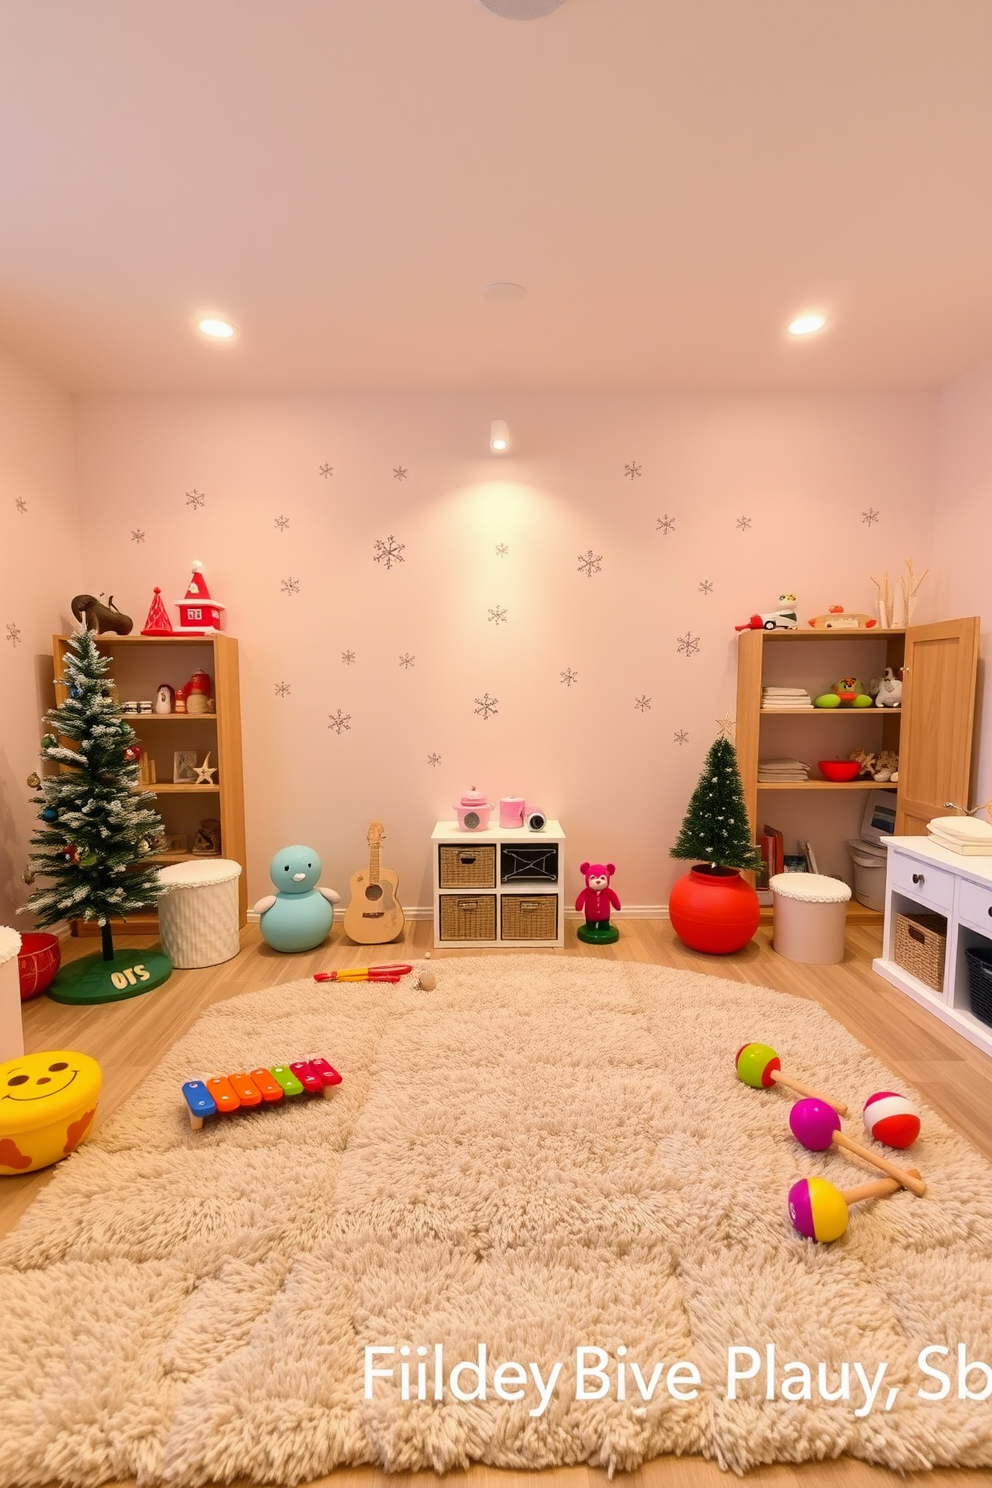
(630, 912)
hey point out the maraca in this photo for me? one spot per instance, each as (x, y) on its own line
(889, 1118)
(816, 1125)
(819, 1211)
(760, 1067)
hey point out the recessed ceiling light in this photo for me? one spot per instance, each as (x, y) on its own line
(503, 293)
(522, 10)
(221, 330)
(807, 323)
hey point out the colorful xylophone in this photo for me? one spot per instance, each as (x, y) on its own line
(259, 1087)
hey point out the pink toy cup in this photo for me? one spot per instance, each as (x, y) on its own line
(511, 811)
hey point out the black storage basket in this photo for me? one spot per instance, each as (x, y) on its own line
(980, 983)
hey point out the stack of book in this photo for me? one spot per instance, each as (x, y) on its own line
(784, 698)
(962, 834)
(782, 771)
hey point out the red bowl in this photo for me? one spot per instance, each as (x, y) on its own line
(839, 769)
(37, 962)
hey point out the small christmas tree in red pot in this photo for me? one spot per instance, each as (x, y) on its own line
(714, 909)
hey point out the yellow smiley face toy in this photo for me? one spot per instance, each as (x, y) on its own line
(47, 1105)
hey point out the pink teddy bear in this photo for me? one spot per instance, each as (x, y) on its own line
(596, 899)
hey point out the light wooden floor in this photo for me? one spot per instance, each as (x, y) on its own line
(129, 1038)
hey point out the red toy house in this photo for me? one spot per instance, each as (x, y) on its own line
(198, 613)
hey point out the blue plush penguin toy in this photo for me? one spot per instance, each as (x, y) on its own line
(299, 915)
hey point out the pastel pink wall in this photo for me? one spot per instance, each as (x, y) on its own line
(962, 547)
(39, 573)
(802, 470)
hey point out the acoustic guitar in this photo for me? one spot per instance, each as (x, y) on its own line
(374, 915)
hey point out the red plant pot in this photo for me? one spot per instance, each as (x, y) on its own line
(714, 910)
(38, 960)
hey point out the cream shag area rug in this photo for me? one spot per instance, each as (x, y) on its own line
(541, 1155)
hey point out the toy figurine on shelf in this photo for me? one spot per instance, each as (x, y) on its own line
(596, 899)
(158, 622)
(786, 617)
(199, 612)
(103, 618)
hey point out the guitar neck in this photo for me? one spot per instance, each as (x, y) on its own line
(374, 863)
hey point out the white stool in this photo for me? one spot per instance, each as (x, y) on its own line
(198, 911)
(810, 917)
(11, 1030)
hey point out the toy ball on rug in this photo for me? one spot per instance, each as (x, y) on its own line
(890, 1118)
(300, 914)
(47, 1105)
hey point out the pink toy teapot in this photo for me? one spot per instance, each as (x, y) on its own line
(473, 811)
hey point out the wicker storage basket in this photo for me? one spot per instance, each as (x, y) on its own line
(468, 867)
(529, 917)
(464, 918)
(921, 940)
(980, 982)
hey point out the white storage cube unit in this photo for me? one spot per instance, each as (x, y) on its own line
(11, 1030)
(198, 912)
(502, 886)
(810, 917)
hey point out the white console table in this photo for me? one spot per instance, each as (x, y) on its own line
(502, 886)
(922, 876)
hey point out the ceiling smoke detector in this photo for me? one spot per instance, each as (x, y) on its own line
(521, 10)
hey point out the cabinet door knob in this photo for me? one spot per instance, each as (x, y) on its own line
(919, 878)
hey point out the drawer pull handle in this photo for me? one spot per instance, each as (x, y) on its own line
(468, 906)
(990, 909)
(919, 878)
(915, 934)
(467, 859)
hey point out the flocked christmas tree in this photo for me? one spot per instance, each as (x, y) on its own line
(95, 826)
(716, 829)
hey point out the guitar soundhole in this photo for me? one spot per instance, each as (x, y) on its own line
(374, 891)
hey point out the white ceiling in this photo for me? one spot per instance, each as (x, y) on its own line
(671, 180)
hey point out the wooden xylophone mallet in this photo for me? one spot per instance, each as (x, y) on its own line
(259, 1087)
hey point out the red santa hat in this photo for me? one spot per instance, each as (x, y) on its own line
(197, 586)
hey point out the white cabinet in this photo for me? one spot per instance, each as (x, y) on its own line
(924, 877)
(500, 887)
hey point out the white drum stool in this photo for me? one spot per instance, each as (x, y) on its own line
(810, 917)
(11, 1032)
(198, 911)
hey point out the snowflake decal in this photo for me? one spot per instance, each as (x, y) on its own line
(498, 614)
(869, 517)
(388, 551)
(326, 470)
(666, 524)
(195, 499)
(568, 676)
(680, 737)
(21, 505)
(290, 586)
(348, 658)
(589, 563)
(137, 536)
(632, 470)
(13, 634)
(407, 661)
(433, 760)
(283, 689)
(400, 472)
(743, 523)
(642, 703)
(281, 523)
(688, 644)
(705, 586)
(501, 550)
(486, 706)
(339, 722)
